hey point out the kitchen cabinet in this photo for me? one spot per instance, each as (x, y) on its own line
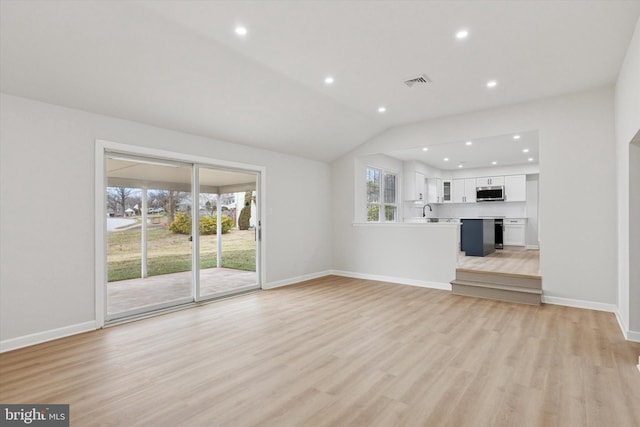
(514, 231)
(478, 236)
(490, 181)
(515, 188)
(446, 191)
(414, 186)
(419, 188)
(434, 190)
(464, 190)
(440, 190)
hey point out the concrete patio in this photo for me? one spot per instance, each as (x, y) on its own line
(125, 295)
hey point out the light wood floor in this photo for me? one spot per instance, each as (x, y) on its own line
(340, 352)
(511, 260)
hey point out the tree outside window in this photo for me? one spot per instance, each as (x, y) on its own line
(381, 195)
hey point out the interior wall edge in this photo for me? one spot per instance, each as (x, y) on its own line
(628, 334)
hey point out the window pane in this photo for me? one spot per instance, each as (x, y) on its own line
(389, 188)
(373, 213)
(373, 185)
(390, 213)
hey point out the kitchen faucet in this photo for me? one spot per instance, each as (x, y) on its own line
(424, 214)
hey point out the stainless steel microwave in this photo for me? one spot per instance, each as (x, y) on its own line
(490, 194)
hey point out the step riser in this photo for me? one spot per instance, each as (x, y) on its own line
(497, 294)
(500, 279)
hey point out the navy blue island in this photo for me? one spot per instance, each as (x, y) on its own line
(478, 236)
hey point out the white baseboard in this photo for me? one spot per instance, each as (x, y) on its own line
(629, 335)
(621, 324)
(633, 336)
(590, 305)
(44, 336)
(294, 280)
(398, 280)
(532, 247)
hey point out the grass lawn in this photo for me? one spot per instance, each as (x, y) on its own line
(171, 253)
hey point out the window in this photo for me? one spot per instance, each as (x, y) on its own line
(381, 195)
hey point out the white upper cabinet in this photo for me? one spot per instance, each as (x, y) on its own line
(414, 186)
(464, 190)
(420, 187)
(470, 190)
(458, 191)
(489, 181)
(435, 189)
(515, 188)
(447, 191)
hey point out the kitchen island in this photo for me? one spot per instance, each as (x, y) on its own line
(478, 236)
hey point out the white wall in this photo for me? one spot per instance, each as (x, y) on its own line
(634, 238)
(577, 160)
(627, 123)
(532, 210)
(47, 210)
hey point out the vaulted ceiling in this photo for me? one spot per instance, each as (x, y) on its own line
(180, 65)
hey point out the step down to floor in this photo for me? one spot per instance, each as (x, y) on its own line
(500, 286)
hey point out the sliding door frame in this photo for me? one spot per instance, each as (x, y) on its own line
(195, 215)
(102, 148)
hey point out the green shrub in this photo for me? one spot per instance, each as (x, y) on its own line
(208, 225)
(181, 223)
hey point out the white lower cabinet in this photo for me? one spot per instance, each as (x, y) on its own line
(514, 232)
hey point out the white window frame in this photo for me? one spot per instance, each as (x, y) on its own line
(381, 204)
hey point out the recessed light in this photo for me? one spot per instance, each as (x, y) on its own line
(328, 80)
(468, 143)
(460, 165)
(530, 159)
(462, 34)
(526, 150)
(446, 159)
(241, 31)
(382, 109)
(492, 83)
(425, 149)
(494, 163)
(516, 136)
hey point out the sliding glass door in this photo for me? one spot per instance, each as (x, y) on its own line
(227, 232)
(176, 233)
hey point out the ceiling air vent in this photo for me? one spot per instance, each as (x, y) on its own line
(421, 79)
